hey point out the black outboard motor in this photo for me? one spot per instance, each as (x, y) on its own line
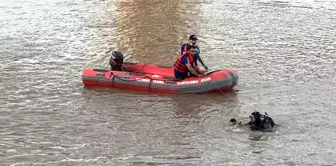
(116, 60)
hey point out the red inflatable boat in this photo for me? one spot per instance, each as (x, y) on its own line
(153, 78)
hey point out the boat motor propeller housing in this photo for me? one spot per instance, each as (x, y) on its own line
(116, 60)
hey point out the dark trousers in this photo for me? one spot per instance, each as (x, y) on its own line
(179, 75)
(191, 74)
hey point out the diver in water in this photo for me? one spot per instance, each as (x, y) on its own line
(258, 122)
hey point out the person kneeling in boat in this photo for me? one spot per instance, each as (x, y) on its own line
(192, 41)
(185, 64)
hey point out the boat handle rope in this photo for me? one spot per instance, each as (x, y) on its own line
(112, 78)
(116, 76)
(149, 85)
(143, 67)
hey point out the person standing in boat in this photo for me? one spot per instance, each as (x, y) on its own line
(192, 41)
(185, 64)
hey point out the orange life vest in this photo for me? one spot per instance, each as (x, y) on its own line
(179, 66)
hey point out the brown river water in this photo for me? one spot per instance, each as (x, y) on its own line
(283, 50)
